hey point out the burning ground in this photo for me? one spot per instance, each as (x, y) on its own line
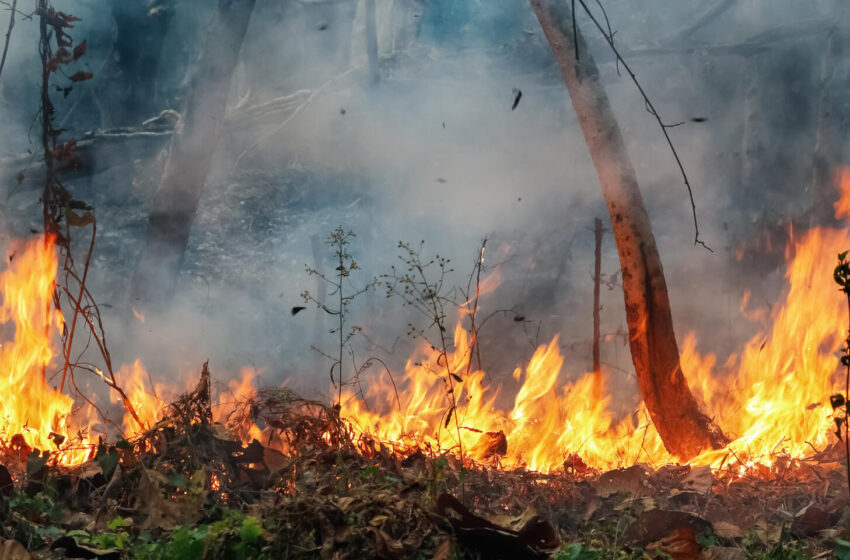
(242, 472)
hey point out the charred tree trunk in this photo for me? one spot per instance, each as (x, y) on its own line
(683, 428)
(191, 154)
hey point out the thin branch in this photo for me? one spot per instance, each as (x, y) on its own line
(8, 35)
(654, 112)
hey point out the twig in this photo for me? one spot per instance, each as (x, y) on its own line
(473, 330)
(77, 309)
(293, 114)
(8, 35)
(652, 111)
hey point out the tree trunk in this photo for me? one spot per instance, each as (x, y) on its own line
(191, 154)
(683, 428)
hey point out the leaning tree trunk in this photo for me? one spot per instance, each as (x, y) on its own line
(683, 428)
(191, 154)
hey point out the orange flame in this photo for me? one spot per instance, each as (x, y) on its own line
(771, 397)
(30, 408)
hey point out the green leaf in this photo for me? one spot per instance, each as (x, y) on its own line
(842, 549)
(576, 551)
(118, 523)
(250, 530)
(108, 462)
(36, 461)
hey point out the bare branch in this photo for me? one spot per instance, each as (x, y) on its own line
(8, 34)
(652, 111)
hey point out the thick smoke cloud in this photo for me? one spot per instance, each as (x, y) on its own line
(434, 152)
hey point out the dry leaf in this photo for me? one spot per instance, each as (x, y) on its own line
(698, 480)
(344, 503)
(445, 550)
(727, 530)
(632, 480)
(386, 547)
(378, 520)
(81, 76)
(13, 550)
(655, 524)
(723, 553)
(681, 544)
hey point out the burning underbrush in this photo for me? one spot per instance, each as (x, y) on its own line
(249, 473)
(315, 487)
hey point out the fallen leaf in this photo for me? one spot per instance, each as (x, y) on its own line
(727, 530)
(681, 544)
(344, 503)
(632, 480)
(655, 524)
(698, 480)
(378, 520)
(810, 521)
(445, 550)
(723, 553)
(386, 547)
(11, 549)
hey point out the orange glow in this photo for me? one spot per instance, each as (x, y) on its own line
(841, 178)
(771, 397)
(30, 408)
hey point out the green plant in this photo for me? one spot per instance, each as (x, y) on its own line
(842, 549)
(421, 284)
(339, 240)
(839, 401)
(577, 551)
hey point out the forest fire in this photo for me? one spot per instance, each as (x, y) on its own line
(771, 398)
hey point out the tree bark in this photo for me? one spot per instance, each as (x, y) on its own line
(683, 428)
(191, 154)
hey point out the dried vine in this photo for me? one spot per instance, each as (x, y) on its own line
(61, 212)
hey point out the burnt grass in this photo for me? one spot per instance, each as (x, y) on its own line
(190, 488)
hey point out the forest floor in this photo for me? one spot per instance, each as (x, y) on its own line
(190, 489)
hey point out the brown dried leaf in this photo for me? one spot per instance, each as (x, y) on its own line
(811, 520)
(445, 550)
(79, 51)
(723, 553)
(81, 76)
(344, 503)
(79, 220)
(632, 480)
(698, 480)
(13, 550)
(386, 547)
(655, 524)
(728, 530)
(681, 544)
